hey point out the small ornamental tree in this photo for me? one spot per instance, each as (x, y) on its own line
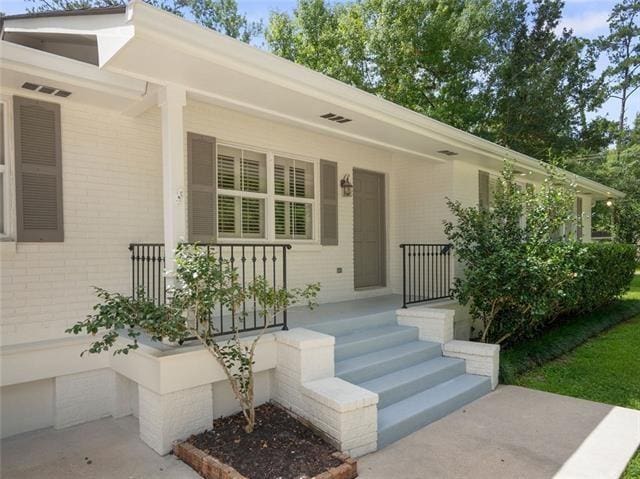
(203, 282)
(517, 264)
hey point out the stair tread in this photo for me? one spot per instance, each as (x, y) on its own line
(370, 333)
(410, 374)
(344, 326)
(383, 355)
(427, 399)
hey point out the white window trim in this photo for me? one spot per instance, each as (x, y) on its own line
(9, 213)
(270, 197)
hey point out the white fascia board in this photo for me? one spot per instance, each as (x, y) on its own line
(204, 43)
(80, 24)
(28, 60)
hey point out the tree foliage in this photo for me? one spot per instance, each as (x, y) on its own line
(203, 284)
(622, 46)
(523, 268)
(496, 68)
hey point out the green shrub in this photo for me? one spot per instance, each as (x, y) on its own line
(607, 272)
(520, 273)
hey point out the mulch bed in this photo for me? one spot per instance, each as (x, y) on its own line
(279, 447)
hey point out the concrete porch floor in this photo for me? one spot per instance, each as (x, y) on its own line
(511, 433)
(301, 316)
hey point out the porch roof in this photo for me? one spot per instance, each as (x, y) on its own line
(154, 48)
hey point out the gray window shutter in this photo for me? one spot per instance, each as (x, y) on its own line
(579, 217)
(38, 157)
(329, 202)
(483, 190)
(201, 158)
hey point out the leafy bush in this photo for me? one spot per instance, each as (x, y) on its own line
(607, 272)
(202, 282)
(520, 272)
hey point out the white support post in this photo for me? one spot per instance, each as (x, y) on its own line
(172, 99)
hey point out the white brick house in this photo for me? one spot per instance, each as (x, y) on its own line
(107, 117)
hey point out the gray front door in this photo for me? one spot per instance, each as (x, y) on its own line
(368, 229)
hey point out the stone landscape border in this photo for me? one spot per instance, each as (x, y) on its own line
(211, 468)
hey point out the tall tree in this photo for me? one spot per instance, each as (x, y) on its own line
(541, 82)
(425, 55)
(622, 46)
(223, 16)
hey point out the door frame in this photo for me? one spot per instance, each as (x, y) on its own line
(382, 217)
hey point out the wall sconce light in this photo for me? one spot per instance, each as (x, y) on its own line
(609, 202)
(345, 184)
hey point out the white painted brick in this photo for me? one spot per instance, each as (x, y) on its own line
(175, 416)
(83, 397)
(480, 358)
(433, 324)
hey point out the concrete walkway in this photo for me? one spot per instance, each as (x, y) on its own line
(510, 433)
(515, 432)
(107, 448)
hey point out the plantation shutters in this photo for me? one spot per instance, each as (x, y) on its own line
(201, 154)
(483, 190)
(329, 202)
(38, 162)
(242, 188)
(293, 187)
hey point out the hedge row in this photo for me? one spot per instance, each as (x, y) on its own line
(607, 272)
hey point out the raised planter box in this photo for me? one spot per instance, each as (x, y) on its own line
(281, 446)
(210, 468)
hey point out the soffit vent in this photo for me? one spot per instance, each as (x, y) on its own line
(47, 90)
(336, 118)
(447, 152)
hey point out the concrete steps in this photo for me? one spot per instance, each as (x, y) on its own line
(415, 384)
(404, 417)
(359, 369)
(373, 339)
(399, 385)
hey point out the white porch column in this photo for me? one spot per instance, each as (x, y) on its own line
(172, 99)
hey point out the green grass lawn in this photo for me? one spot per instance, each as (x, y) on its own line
(604, 369)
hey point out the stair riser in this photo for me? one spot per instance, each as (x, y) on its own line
(379, 369)
(353, 349)
(400, 392)
(346, 326)
(422, 418)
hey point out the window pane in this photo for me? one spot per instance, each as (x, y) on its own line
(240, 217)
(281, 219)
(254, 171)
(241, 170)
(293, 220)
(227, 216)
(228, 158)
(293, 177)
(279, 179)
(252, 218)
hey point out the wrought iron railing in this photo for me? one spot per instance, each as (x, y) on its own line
(148, 265)
(426, 272)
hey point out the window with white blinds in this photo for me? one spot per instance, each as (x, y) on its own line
(264, 196)
(294, 189)
(242, 193)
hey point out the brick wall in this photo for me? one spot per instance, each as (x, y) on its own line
(112, 180)
(112, 193)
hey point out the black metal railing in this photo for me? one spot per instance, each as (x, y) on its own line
(426, 272)
(148, 265)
